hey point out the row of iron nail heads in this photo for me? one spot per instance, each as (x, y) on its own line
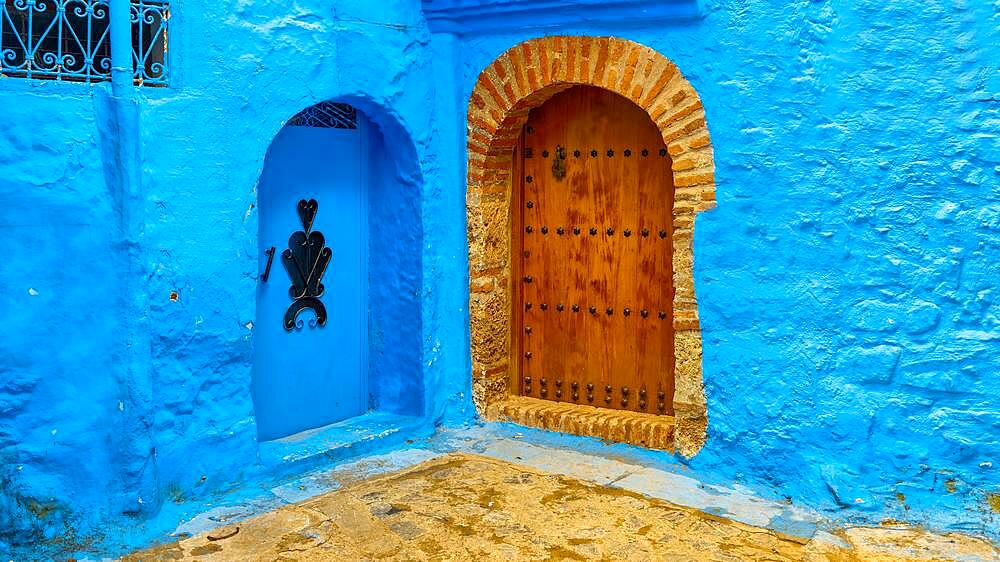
(529, 153)
(661, 404)
(593, 309)
(610, 231)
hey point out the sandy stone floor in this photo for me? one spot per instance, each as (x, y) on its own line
(465, 507)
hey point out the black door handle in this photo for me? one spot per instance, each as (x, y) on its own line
(267, 268)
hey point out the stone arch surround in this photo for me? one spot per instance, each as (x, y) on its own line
(522, 78)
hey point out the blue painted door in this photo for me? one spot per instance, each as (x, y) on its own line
(315, 373)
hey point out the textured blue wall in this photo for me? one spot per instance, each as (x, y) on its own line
(394, 294)
(846, 279)
(90, 430)
(60, 301)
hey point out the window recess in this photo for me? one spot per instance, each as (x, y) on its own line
(70, 40)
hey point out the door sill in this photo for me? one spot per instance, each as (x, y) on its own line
(621, 426)
(363, 434)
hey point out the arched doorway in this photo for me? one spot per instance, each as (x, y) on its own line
(518, 81)
(337, 333)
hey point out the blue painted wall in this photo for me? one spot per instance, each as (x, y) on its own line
(846, 280)
(91, 430)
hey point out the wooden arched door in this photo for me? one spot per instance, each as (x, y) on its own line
(593, 252)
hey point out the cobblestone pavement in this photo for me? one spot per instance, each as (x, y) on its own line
(465, 507)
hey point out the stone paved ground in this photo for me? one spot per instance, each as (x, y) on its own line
(465, 507)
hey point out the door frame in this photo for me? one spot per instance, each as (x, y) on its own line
(364, 126)
(524, 77)
(362, 129)
(516, 380)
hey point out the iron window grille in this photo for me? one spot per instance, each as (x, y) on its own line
(70, 40)
(326, 114)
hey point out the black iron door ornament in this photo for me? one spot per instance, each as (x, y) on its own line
(559, 163)
(305, 260)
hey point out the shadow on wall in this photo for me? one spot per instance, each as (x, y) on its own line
(338, 327)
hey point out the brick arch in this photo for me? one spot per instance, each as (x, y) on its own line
(522, 78)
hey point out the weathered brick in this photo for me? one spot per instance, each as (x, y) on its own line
(678, 112)
(532, 75)
(501, 83)
(699, 141)
(586, 44)
(489, 84)
(499, 68)
(663, 72)
(500, 161)
(632, 54)
(681, 164)
(662, 104)
(683, 221)
(508, 90)
(482, 120)
(600, 65)
(524, 78)
(638, 75)
(649, 430)
(484, 284)
(519, 67)
(569, 66)
(488, 390)
(686, 324)
(477, 147)
(479, 136)
(684, 128)
(699, 177)
(617, 52)
(530, 71)
(690, 194)
(492, 81)
(476, 101)
(544, 48)
(611, 78)
(613, 66)
(490, 317)
(635, 93)
(690, 159)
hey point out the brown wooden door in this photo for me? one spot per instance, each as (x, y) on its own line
(593, 305)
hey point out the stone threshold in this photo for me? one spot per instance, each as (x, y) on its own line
(360, 435)
(635, 428)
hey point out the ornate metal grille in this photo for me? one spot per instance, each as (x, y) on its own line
(149, 42)
(326, 114)
(70, 40)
